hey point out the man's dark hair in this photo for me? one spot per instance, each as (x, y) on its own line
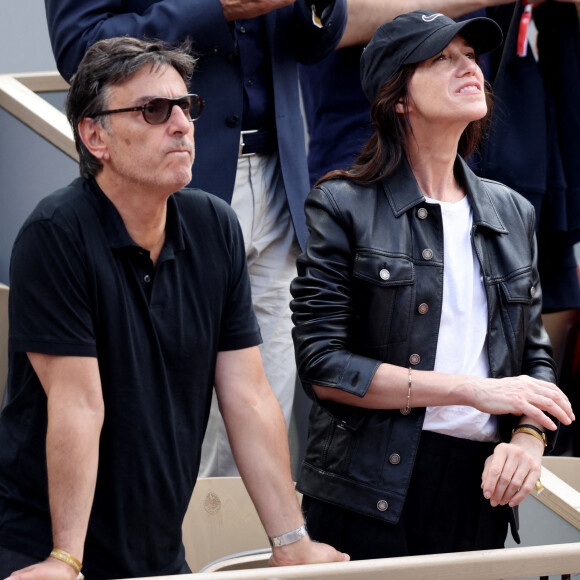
(111, 62)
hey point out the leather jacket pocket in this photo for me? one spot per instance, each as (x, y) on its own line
(383, 269)
(330, 442)
(518, 293)
(384, 288)
(354, 446)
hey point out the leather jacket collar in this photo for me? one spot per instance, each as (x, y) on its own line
(403, 193)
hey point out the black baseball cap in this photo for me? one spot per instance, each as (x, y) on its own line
(415, 37)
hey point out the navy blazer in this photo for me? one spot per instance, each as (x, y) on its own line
(292, 39)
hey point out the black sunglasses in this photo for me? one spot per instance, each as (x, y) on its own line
(158, 110)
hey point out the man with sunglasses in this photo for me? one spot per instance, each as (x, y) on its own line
(251, 140)
(130, 298)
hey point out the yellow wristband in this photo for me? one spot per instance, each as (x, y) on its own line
(67, 559)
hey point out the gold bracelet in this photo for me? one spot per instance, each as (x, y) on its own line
(67, 559)
(406, 410)
(533, 431)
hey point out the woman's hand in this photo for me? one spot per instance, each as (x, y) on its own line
(513, 470)
(521, 395)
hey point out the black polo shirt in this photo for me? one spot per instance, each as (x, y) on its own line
(80, 286)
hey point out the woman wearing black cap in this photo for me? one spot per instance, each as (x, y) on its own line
(417, 317)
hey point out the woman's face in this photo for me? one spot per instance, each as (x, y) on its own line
(448, 88)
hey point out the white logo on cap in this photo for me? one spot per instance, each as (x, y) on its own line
(430, 18)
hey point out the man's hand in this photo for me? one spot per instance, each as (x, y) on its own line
(50, 569)
(238, 9)
(512, 471)
(305, 551)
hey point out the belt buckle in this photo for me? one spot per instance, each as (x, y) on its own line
(242, 144)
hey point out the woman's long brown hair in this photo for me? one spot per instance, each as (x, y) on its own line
(385, 149)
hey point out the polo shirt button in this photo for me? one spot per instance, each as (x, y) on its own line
(427, 254)
(414, 359)
(422, 213)
(394, 459)
(423, 308)
(384, 274)
(382, 505)
(146, 278)
(532, 291)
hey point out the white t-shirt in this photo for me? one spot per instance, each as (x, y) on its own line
(461, 347)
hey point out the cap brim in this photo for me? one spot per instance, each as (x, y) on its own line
(483, 34)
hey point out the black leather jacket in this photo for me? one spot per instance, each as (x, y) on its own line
(374, 256)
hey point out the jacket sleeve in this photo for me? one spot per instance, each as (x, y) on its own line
(311, 42)
(74, 25)
(537, 355)
(537, 362)
(323, 306)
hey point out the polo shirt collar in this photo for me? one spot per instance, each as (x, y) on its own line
(116, 231)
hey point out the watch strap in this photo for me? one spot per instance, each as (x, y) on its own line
(533, 431)
(288, 537)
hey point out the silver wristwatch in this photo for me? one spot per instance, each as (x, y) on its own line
(288, 537)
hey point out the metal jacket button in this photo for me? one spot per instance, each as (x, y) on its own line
(532, 291)
(427, 254)
(394, 459)
(382, 505)
(414, 359)
(422, 213)
(384, 274)
(423, 308)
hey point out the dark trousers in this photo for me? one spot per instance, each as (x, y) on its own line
(444, 511)
(10, 561)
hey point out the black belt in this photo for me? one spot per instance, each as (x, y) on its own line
(257, 142)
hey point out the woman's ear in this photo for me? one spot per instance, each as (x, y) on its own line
(92, 134)
(401, 108)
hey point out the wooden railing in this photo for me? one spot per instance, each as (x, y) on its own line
(18, 95)
(510, 563)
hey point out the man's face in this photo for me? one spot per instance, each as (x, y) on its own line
(151, 157)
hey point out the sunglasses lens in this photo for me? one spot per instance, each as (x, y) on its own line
(194, 106)
(157, 111)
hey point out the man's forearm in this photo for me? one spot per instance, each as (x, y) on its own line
(365, 16)
(257, 434)
(75, 411)
(260, 447)
(72, 450)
